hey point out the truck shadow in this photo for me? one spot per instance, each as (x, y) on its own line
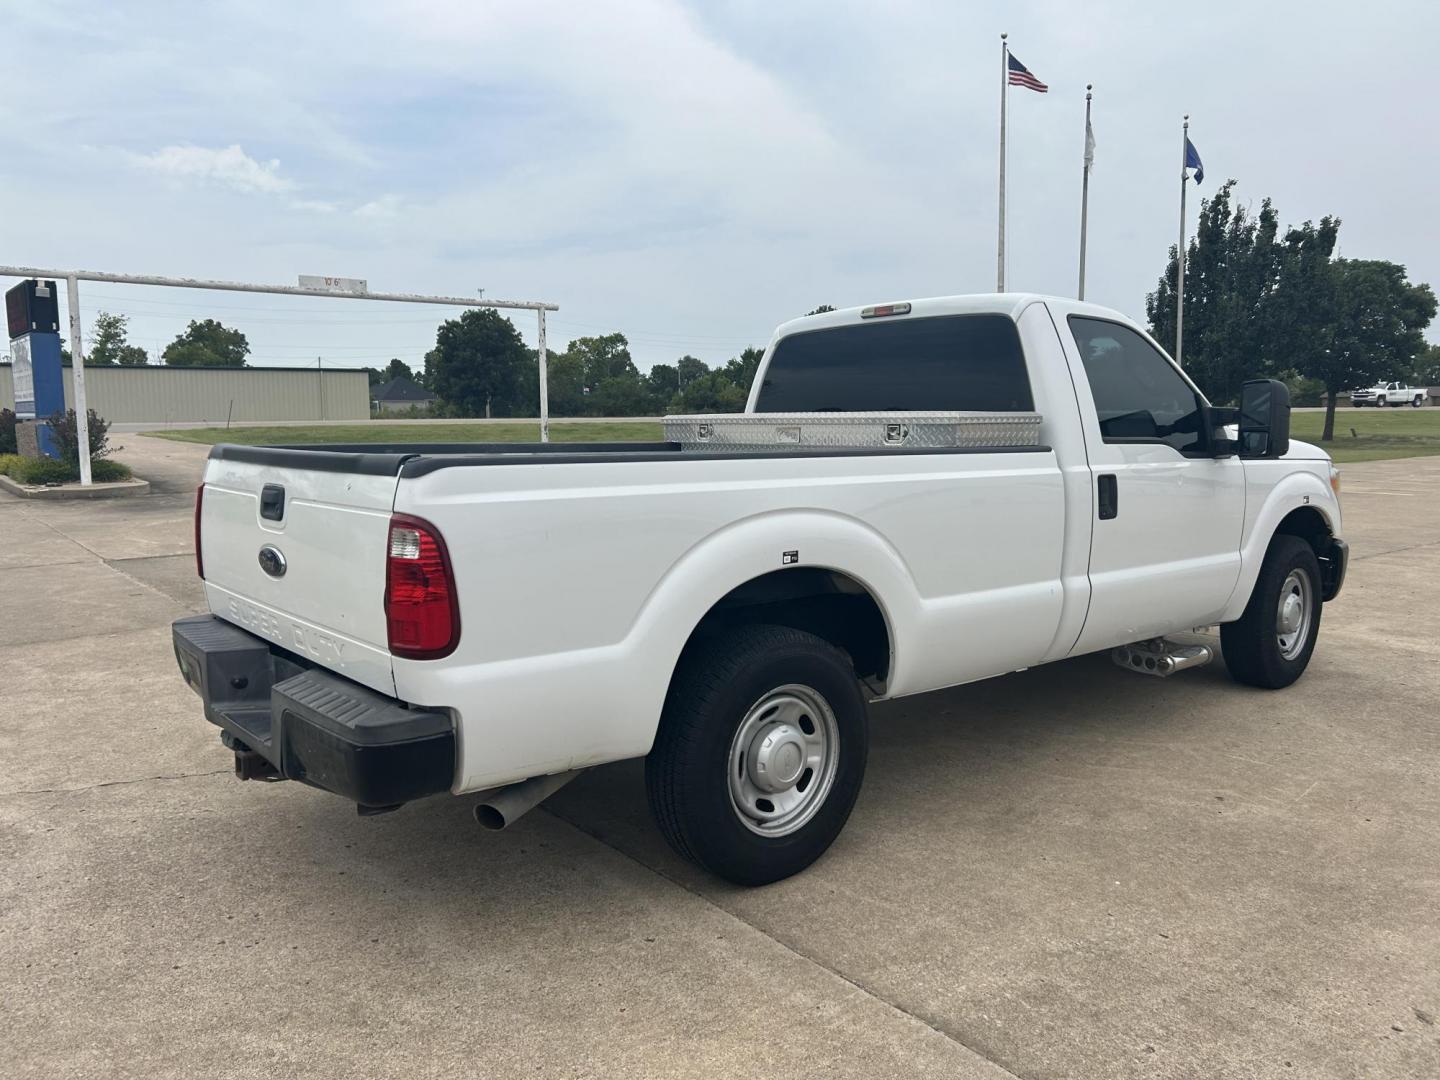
(992, 758)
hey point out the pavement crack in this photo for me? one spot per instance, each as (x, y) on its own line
(859, 987)
(62, 533)
(118, 783)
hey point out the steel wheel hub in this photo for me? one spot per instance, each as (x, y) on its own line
(776, 757)
(783, 760)
(1294, 614)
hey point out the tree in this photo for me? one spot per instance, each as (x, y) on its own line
(565, 381)
(476, 363)
(688, 369)
(600, 360)
(108, 345)
(622, 395)
(741, 369)
(1232, 268)
(821, 310)
(663, 381)
(207, 344)
(1426, 371)
(396, 369)
(712, 392)
(1301, 315)
(1376, 328)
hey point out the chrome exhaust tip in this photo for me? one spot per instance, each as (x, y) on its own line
(1161, 658)
(503, 806)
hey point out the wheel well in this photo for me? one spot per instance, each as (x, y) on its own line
(1309, 524)
(827, 603)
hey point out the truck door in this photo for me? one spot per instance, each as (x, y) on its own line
(1165, 547)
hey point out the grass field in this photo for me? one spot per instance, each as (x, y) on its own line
(460, 432)
(1379, 433)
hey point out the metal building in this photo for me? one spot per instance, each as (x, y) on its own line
(161, 394)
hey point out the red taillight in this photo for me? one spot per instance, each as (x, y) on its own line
(199, 559)
(422, 611)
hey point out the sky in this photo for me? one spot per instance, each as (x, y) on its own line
(690, 174)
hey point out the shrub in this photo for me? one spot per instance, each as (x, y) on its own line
(67, 434)
(7, 432)
(41, 470)
(105, 471)
(36, 471)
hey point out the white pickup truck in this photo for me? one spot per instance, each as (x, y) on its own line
(918, 495)
(1391, 393)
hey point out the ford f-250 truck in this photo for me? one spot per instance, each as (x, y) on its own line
(918, 495)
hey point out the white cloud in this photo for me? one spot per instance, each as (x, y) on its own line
(387, 206)
(231, 167)
(313, 206)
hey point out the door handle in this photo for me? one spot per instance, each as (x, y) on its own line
(1109, 492)
(272, 502)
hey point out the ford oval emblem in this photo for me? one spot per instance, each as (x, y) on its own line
(272, 561)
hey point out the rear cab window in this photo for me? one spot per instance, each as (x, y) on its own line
(947, 363)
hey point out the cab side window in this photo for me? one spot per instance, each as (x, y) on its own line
(1139, 395)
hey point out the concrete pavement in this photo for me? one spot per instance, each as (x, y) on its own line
(1069, 872)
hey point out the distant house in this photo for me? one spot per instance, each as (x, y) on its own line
(400, 395)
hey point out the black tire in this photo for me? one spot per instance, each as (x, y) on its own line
(1251, 645)
(1415, 403)
(687, 775)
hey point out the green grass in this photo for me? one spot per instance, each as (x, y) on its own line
(460, 432)
(1379, 433)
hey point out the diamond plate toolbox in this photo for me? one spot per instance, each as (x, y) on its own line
(729, 432)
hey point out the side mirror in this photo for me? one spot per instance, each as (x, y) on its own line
(1264, 418)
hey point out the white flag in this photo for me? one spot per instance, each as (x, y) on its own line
(1089, 146)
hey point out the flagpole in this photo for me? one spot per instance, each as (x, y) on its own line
(1000, 244)
(1084, 191)
(1180, 251)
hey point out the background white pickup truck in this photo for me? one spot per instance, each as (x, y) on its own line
(1392, 393)
(395, 621)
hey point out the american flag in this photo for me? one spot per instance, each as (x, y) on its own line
(1020, 76)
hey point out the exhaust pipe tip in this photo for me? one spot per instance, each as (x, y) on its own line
(502, 807)
(489, 817)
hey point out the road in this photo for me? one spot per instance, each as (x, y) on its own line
(1069, 872)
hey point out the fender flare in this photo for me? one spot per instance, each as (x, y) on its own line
(1298, 490)
(753, 547)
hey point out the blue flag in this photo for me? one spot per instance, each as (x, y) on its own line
(1192, 160)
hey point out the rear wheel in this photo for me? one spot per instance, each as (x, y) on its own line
(760, 753)
(1271, 643)
(1417, 401)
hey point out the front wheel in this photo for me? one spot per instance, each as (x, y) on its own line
(1270, 645)
(760, 753)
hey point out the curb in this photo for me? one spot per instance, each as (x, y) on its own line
(113, 490)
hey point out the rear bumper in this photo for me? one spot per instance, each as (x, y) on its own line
(1333, 564)
(309, 724)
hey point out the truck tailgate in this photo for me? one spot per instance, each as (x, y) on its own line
(304, 566)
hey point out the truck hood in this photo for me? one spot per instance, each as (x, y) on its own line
(1304, 451)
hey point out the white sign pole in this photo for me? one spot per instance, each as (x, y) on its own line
(544, 382)
(77, 361)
